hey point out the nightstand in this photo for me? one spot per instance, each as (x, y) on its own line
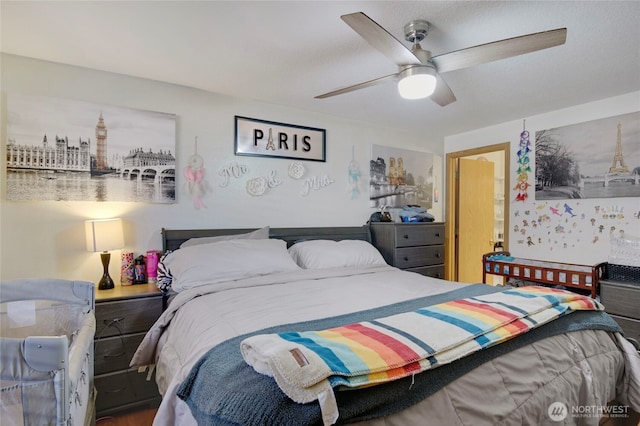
(416, 247)
(621, 301)
(123, 316)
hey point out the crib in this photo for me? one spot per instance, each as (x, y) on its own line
(583, 277)
(46, 352)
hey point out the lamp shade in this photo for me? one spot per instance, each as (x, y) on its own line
(417, 82)
(104, 234)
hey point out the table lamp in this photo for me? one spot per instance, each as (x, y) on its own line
(104, 235)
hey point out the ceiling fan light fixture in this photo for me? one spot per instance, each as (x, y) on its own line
(417, 82)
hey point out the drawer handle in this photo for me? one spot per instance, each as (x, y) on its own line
(116, 390)
(437, 234)
(438, 255)
(405, 236)
(406, 258)
(114, 355)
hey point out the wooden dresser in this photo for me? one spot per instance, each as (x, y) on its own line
(416, 247)
(621, 300)
(123, 316)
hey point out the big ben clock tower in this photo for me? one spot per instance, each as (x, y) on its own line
(101, 153)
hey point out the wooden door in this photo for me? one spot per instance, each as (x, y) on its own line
(475, 217)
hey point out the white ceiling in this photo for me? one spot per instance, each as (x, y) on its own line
(288, 52)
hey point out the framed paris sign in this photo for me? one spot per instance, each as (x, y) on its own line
(264, 138)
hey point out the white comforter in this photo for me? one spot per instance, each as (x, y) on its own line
(200, 318)
(214, 313)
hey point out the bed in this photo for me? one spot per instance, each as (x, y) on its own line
(46, 347)
(556, 370)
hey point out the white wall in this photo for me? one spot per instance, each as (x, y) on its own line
(559, 238)
(46, 239)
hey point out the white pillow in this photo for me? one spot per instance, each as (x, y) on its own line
(258, 234)
(227, 261)
(322, 254)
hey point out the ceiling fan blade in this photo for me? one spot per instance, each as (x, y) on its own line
(443, 95)
(380, 38)
(499, 50)
(357, 86)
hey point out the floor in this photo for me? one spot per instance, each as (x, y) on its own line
(145, 418)
(137, 418)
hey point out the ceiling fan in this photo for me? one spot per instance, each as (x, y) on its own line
(419, 73)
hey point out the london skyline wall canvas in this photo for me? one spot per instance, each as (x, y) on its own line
(68, 150)
(593, 159)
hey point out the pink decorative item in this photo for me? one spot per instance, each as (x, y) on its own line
(126, 268)
(152, 265)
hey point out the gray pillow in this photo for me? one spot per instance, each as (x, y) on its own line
(258, 234)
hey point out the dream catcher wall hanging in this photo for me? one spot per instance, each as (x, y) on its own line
(195, 174)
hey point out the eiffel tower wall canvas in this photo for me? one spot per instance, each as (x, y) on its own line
(594, 159)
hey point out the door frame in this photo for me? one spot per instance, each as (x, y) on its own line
(451, 205)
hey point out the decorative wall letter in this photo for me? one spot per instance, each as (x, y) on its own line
(273, 180)
(232, 170)
(315, 183)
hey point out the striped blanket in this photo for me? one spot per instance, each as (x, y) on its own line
(308, 365)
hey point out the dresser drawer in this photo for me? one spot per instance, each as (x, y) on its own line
(631, 327)
(127, 316)
(122, 388)
(412, 257)
(411, 235)
(620, 298)
(430, 271)
(115, 353)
